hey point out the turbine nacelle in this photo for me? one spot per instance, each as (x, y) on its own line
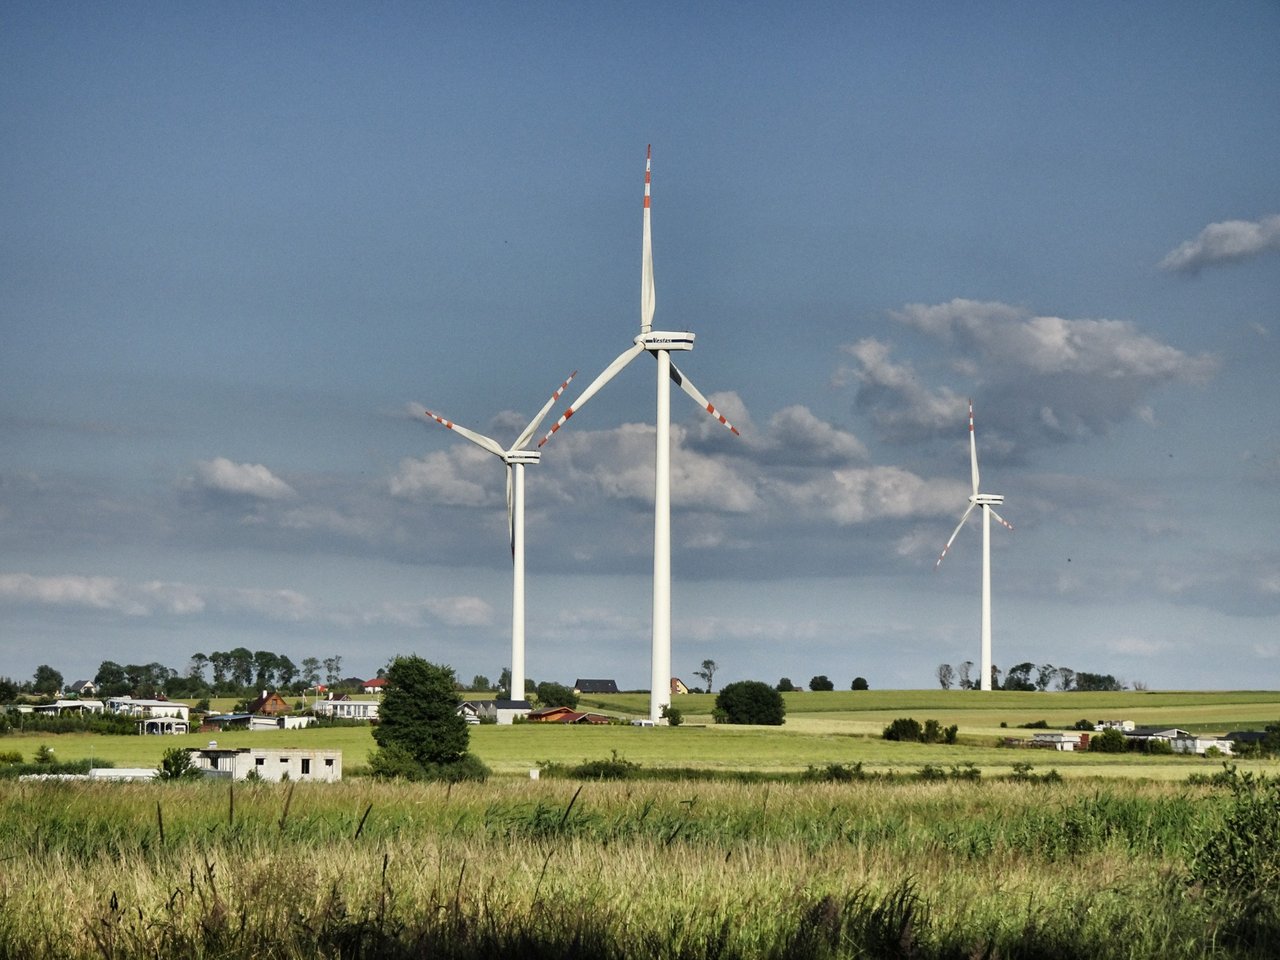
(521, 456)
(665, 340)
(987, 499)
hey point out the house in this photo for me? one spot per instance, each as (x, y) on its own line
(83, 688)
(344, 708)
(238, 763)
(1168, 734)
(508, 710)
(162, 725)
(565, 715)
(376, 685)
(59, 707)
(250, 721)
(1124, 726)
(1199, 743)
(148, 709)
(1058, 740)
(594, 686)
(271, 704)
(473, 711)
(677, 686)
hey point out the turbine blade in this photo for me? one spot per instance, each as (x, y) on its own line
(973, 450)
(647, 295)
(511, 516)
(477, 438)
(606, 375)
(1000, 518)
(685, 384)
(953, 535)
(533, 424)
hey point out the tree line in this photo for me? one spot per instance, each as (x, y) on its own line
(1029, 676)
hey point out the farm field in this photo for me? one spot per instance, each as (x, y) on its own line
(623, 870)
(841, 727)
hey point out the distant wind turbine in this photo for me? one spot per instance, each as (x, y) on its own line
(515, 458)
(659, 343)
(987, 501)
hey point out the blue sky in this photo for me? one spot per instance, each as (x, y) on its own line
(239, 242)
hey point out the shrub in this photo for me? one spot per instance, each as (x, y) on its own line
(556, 695)
(749, 701)
(905, 729)
(1110, 740)
(672, 715)
(859, 683)
(177, 764)
(821, 682)
(615, 768)
(420, 735)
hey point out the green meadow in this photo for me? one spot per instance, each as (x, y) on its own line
(839, 727)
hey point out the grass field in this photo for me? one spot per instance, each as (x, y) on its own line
(822, 728)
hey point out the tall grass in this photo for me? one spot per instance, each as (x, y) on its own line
(611, 870)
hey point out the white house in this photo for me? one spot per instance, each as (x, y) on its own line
(59, 707)
(1193, 743)
(147, 709)
(1057, 740)
(347, 709)
(237, 763)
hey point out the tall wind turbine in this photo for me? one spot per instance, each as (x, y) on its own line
(987, 502)
(515, 458)
(659, 343)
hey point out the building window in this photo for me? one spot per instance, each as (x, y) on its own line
(259, 761)
(328, 761)
(306, 766)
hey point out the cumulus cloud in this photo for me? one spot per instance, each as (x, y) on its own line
(224, 476)
(464, 476)
(101, 593)
(1040, 379)
(1227, 242)
(461, 611)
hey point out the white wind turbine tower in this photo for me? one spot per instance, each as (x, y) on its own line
(660, 343)
(987, 501)
(515, 458)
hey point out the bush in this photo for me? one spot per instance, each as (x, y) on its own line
(749, 701)
(615, 768)
(821, 682)
(859, 683)
(905, 729)
(1109, 741)
(672, 715)
(556, 695)
(177, 764)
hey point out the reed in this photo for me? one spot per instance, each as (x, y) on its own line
(694, 870)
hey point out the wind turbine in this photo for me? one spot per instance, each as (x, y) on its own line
(515, 458)
(659, 343)
(988, 502)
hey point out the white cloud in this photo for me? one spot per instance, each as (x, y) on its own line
(1037, 379)
(102, 593)
(1227, 242)
(461, 611)
(224, 476)
(455, 477)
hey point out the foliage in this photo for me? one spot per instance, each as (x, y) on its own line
(1086, 682)
(673, 715)
(946, 675)
(109, 723)
(44, 754)
(707, 672)
(821, 682)
(556, 695)
(904, 728)
(47, 680)
(420, 734)
(178, 764)
(750, 702)
(1083, 724)
(615, 768)
(1110, 740)
(785, 686)
(860, 683)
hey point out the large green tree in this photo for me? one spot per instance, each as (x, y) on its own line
(420, 734)
(749, 701)
(47, 680)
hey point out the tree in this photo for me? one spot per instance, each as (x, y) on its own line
(8, 690)
(859, 683)
(556, 695)
(286, 671)
(420, 734)
(785, 685)
(1097, 682)
(332, 669)
(479, 682)
(749, 701)
(311, 671)
(1066, 678)
(1110, 740)
(995, 677)
(707, 672)
(221, 663)
(1019, 677)
(1044, 676)
(241, 666)
(265, 665)
(965, 682)
(195, 668)
(111, 679)
(47, 680)
(821, 682)
(176, 764)
(504, 683)
(946, 675)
